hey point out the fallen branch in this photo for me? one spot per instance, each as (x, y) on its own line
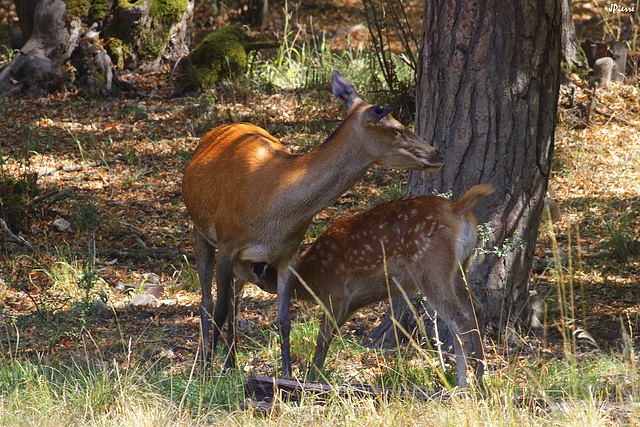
(154, 253)
(614, 116)
(261, 392)
(53, 196)
(17, 239)
(77, 168)
(140, 242)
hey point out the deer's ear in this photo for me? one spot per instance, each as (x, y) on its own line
(343, 90)
(372, 115)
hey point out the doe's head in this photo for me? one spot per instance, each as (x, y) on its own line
(386, 139)
(395, 146)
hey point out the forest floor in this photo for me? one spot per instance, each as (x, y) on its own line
(112, 168)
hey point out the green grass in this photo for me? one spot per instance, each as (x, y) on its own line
(101, 393)
(598, 391)
(301, 62)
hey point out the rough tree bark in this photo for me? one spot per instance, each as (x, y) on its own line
(83, 42)
(488, 83)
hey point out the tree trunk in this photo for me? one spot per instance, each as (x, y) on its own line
(488, 83)
(78, 43)
(257, 13)
(149, 31)
(39, 64)
(570, 45)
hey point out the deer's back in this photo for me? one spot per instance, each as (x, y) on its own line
(227, 179)
(398, 238)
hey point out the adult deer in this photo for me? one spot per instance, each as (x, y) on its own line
(413, 243)
(252, 200)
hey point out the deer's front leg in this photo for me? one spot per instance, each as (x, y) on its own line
(286, 279)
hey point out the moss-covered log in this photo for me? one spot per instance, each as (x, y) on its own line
(221, 54)
(85, 42)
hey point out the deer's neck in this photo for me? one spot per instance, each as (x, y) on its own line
(318, 178)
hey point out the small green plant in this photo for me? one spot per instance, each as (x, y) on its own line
(485, 235)
(87, 219)
(623, 242)
(28, 136)
(186, 276)
(7, 54)
(18, 184)
(303, 336)
(447, 194)
(300, 62)
(79, 144)
(404, 372)
(87, 284)
(73, 285)
(131, 156)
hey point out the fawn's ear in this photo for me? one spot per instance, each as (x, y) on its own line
(372, 115)
(343, 91)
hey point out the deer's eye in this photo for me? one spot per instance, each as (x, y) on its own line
(397, 131)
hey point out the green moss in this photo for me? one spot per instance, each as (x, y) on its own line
(152, 43)
(168, 12)
(220, 54)
(165, 13)
(100, 77)
(77, 8)
(149, 43)
(125, 4)
(118, 51)
(99, 9)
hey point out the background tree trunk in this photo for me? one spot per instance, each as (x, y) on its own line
(488, 83)
(570, 45)
(148, 32)
(258, 12)
(83, 43)
(39, 65)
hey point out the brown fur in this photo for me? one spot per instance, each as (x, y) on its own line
(252, 200)
(418, 243)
